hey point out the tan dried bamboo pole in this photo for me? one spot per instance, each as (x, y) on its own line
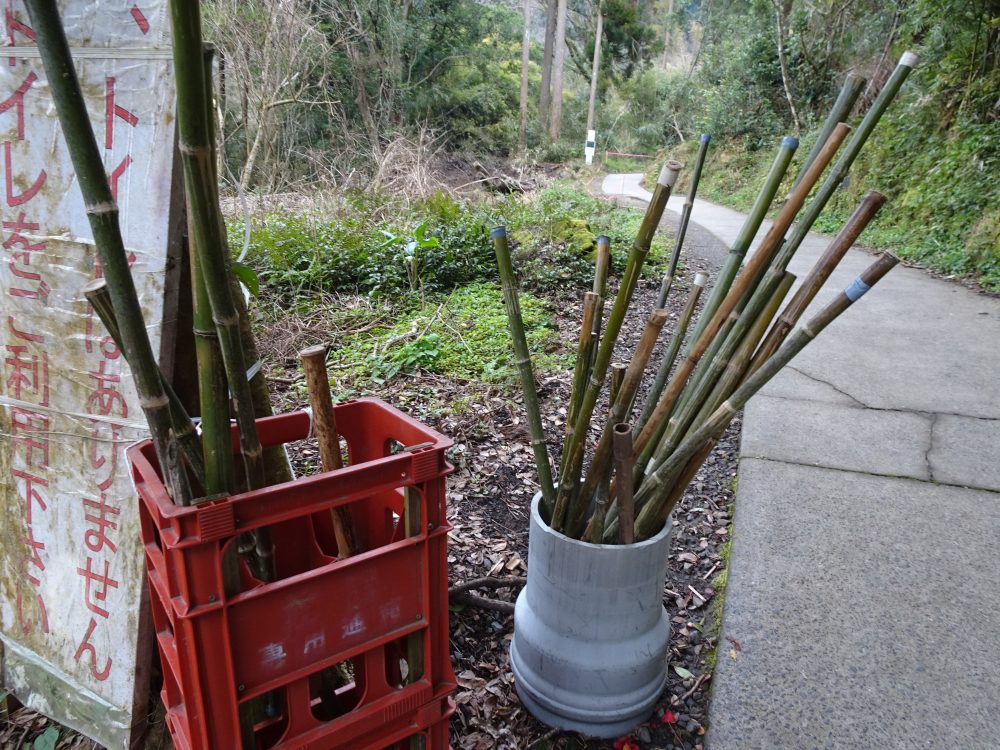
(573, 463)
(324, 423)
(676, 340)
(601, 270)
(600, 464)
(745, 282)
(584, 350)
(595, 527)
(624, 458)
(523, 362)
(655, 491)
(847, 236)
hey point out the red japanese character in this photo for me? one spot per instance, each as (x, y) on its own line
(24, 375)
(27, 195)
(17, 100)
(23, 335)
(13, 25)
(96, 586)
(111, 111)
(86, 647)
(31, 494)
(33, 557)
(28, 625)
(97, 538)
(24, 424)
(106, 396)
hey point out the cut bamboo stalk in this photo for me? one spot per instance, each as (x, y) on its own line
(600, 465)
(523, 362)
(213, 390)
(746, 281)
(739, 363)
(624, 458)
(196, 149)
(102, 213)
(841, 110)
(654, 493)
(846, 238)
(745, 238)
(836, 176)
(573, 463)
(595, 528)
(97, 294)
(668, 278)
(601, 272)
(584, 350)
(676, 340)
(324, 423)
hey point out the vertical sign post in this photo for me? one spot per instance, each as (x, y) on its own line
(590, 146)
(72, 613)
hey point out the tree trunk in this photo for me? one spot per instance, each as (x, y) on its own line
(558, 68)
(595, 69)
(545, 97)
(781, 11)
(668, 33)
(522, 130)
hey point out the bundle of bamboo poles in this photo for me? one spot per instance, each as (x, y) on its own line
(645, 458)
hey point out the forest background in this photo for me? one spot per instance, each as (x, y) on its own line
(380, 95)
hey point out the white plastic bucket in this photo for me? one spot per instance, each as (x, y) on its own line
(589, 652)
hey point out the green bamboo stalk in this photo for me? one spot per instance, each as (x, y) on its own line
(99, 297)
(596, 527)
(747, 281)
(740, 361)
(749, 230)
(193, 112)
(677, 338)
(102, 213)
(601, 271)
(213, 390)
(836, 176)
(624, 458)
(847, 236)
(702, 382)
(573, 463)
(841, 110)
(600, 465)
(523, 362)
(581, 370)
(668, 278)
(654, 493)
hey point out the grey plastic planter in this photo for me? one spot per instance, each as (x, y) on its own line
(589, 651)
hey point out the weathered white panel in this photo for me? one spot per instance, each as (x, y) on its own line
(70, 562)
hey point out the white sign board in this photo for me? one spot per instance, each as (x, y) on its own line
(71, 570)
(590, 146)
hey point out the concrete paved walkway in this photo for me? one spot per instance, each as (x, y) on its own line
(864, 582)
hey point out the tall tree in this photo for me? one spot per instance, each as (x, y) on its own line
(545, 98)
(522, 130)
(558, 69)
(596, 68)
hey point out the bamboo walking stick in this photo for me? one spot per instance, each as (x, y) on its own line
(102, 213)
(595, 528)
(624, 458)
(668, 278)
(847, 236)
(655, 492)
(602, 268)
(523, 362)
(324, 423)
(573, 462)
(584, 350)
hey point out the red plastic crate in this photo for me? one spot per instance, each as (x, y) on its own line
(272, 643)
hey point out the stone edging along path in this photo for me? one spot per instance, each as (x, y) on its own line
(863, 599)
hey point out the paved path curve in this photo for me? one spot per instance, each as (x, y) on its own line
(864, 582)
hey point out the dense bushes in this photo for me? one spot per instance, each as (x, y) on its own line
(372, 245)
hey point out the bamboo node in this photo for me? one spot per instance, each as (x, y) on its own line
(105, 208)
(153, 402)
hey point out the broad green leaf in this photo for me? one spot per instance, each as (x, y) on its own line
(47, 740)
(247, 276)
